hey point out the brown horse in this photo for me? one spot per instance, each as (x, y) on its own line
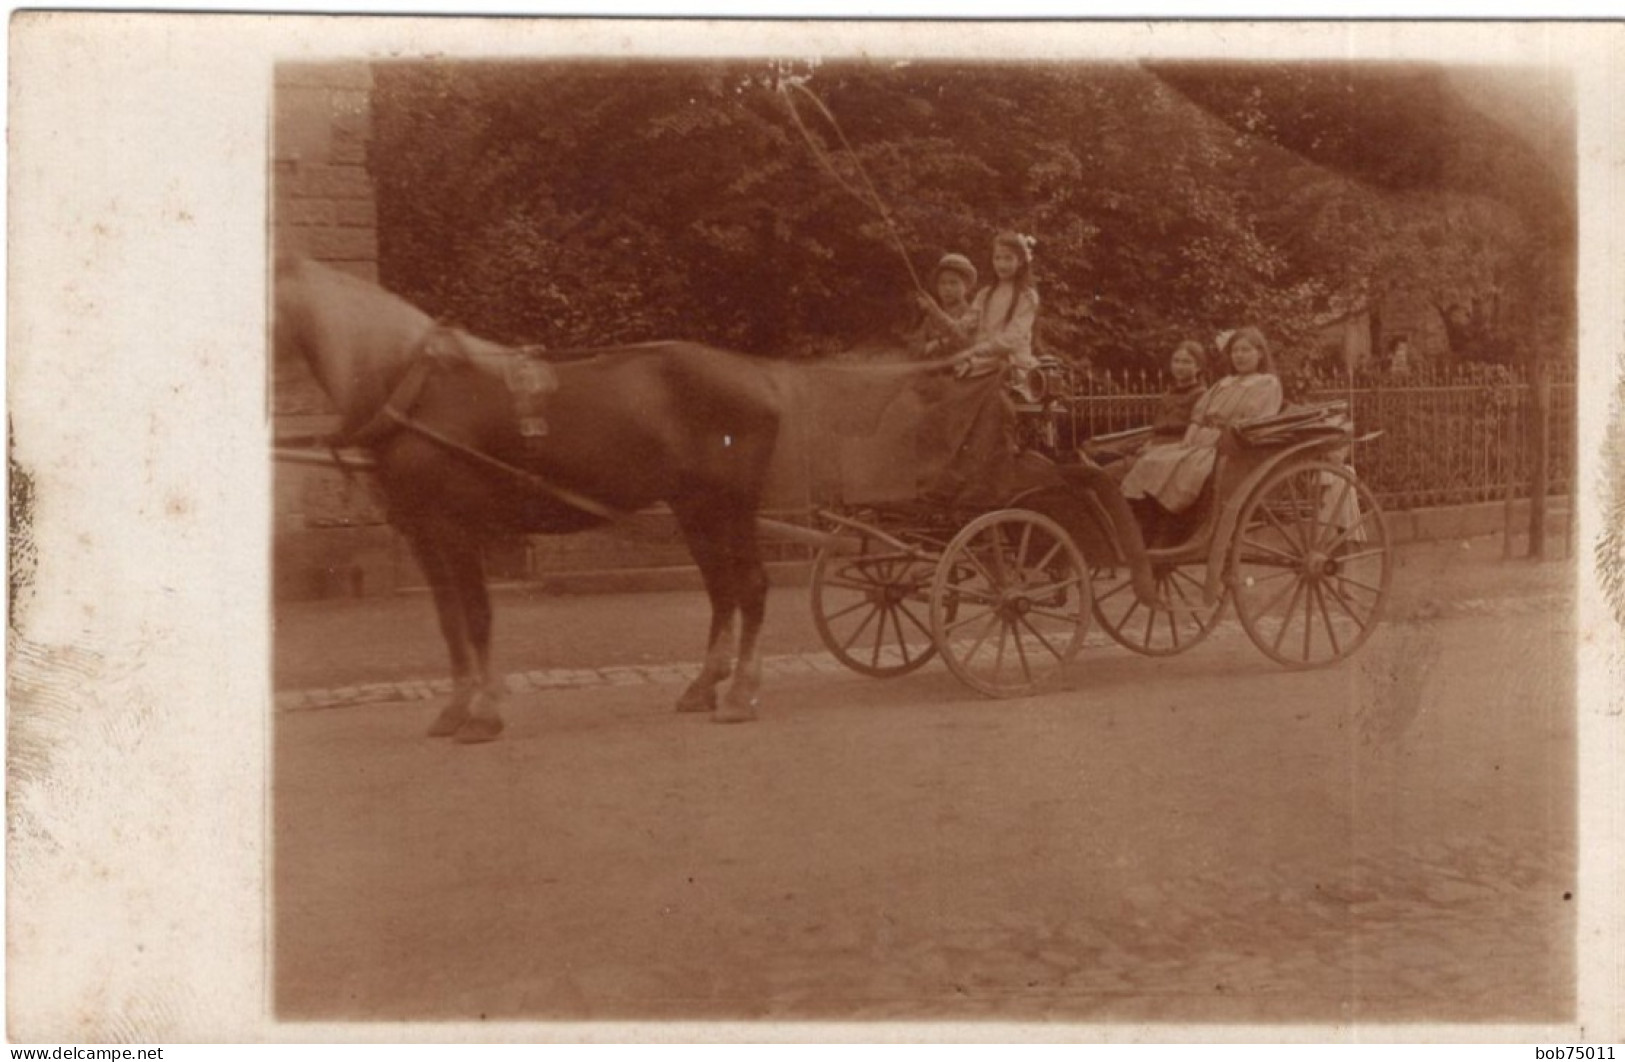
(622, 429)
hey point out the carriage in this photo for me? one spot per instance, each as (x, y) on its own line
(1005, 594)
(997, 560)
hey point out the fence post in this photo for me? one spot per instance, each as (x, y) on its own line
(1542, 394)
(1509, 467)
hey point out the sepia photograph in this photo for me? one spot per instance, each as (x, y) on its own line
(1007, 530)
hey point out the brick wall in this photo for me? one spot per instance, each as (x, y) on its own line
(328, 533)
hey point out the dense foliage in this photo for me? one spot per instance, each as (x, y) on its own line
(593, 203)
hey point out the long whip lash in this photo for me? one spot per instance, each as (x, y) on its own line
(867, 195)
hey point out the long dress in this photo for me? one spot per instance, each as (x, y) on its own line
(1174, 474)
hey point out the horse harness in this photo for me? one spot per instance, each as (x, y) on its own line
(529, 380)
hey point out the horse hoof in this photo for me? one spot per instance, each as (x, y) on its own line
(479, 729)
(735, 711)
(450, 720)
(692, 701)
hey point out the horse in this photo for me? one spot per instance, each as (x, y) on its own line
(463, 454)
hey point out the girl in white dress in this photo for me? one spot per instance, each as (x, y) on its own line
(1005, 312)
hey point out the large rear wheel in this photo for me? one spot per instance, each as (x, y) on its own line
(1010, 603)
(1311, 565)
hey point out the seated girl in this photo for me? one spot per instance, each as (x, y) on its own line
(1168, 479)
(1173, 415)
(1005, 312)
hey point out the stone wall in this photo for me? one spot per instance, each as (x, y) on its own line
(328, 533)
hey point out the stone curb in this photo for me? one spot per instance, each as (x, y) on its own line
(791, 664)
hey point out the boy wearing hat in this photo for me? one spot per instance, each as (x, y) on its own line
(950, 321)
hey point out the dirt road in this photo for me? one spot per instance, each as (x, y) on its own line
(1206, 838)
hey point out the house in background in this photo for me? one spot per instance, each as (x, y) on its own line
(1363, 340)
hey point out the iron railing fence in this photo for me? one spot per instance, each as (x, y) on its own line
(1444, 436)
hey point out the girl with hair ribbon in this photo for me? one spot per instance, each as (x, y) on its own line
(1005, 312)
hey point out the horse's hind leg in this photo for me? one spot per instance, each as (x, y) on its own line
(432, 556)
(749, 579)
(697, 520)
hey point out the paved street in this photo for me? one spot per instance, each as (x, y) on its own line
(1206, 838)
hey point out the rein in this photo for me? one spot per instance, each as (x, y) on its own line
(529, 479)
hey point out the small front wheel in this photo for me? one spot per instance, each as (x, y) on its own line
(1310, 564)
(869, 609)
(1010, 603)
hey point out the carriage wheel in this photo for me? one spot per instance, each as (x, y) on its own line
(1311, 564)
(1179, 621)
(1010, 603)
(870, 609)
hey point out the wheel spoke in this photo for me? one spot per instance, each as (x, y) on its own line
(880, 637)
(1346, 606)
(912, 618)
(837, 582)
(1286, 617)
(1326, 616)
(1043, 563)
(1178, 575)
(1273, 519)
(1050, 588)
(962, 620)
(1279, 594)
(1349, 579)
(976, 562)
(976, 648)
(1021, 549)
(1308, 509)
(1060, 617)
(1021, 654)
(1178, 591)
(1308, 619)
(847, 645)
(1134, 606)
(1004, 635)
(1126, 584)
(1040, 636)
(850, 609)
(1248, 544)
(1337, 507)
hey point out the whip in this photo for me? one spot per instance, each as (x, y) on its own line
(867, 195)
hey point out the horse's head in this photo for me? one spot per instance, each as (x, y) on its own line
(356, 337)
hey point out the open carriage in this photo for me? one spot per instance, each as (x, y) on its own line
(944, 537)
(1005, 593)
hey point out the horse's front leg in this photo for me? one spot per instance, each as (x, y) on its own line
(750, 582)
(432, 557)
(701, 694)
(697, 518)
